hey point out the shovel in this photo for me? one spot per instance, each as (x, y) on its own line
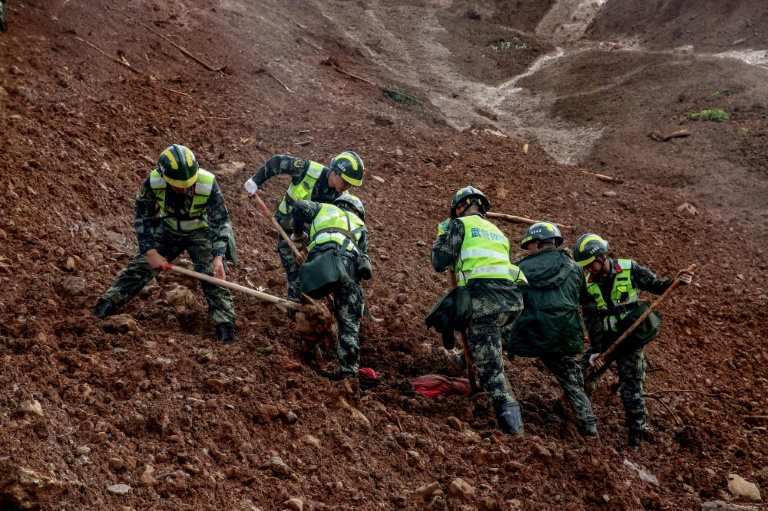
(313, 320)
(299, 256)
(467, 355)
(603, 356)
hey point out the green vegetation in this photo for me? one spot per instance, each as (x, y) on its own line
(743, 130)
(515, 44)
(715, 114)
(401, 96)
(719, 92)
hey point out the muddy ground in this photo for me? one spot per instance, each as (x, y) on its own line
(90, 96)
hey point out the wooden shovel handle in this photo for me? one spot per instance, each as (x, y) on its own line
(236, 287)
(467, 355)
(299, 256)
(591, 369)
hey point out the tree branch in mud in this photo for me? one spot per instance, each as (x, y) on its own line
(185, 51)
(122, 62)
(669, 409)
(603, 177)
(262, 70)
(519, 219)
(389, 90)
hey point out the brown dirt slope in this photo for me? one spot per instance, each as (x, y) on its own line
(709, 25)
(152, 401)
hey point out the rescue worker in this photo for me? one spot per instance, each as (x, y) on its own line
(338, 227)
(310, 181)
(478, 253)
(550, 325)
(3, 24)
(613, 285)
(179, 207)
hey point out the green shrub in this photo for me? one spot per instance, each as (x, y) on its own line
(516, 43)
(715, 114)
(401, 96)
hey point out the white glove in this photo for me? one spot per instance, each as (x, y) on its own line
(685, 278)
(299, 239)
(594, 362)
(251, 187)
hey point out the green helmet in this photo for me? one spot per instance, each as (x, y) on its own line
(350, 202)
(546, 232)
(588, 247)
(178, 166)
(469, 195)
(350, 166)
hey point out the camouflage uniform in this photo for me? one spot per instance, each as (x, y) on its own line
(348, 301)
(496, 303)
(202, 245)
(296, 168)
(631, 365)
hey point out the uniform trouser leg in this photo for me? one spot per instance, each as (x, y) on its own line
(632, 368)
(567, 371)
(288, 260)
(484, 339)
(348, 304)
(220, 306)
(138, 272)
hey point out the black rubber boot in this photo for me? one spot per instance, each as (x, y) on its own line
(634, 438)
(509, 419)
(226, 333)
(589, 431)
(104, 309)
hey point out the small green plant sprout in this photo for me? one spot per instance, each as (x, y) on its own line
(715, 114)
(743, 130)
(401, 96)
(719, 92)
(515, 44)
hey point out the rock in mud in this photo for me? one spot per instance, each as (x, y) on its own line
(71, 286)
(277, 466)
(742, 489)
(122, 323)
(294, 504)
(180, 295)
(26, 489)
(460, 489)
(119, 489)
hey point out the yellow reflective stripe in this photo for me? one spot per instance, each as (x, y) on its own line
(305, 187)
(492, 272)
(157, 182)
(325, 218)
(171, 158)
(315, 169)
(204, 189)
(480, 252)
(332, 236)
(187, 225)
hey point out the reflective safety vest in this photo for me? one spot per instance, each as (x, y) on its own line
(623, 294)
(332, 224)
(200, 195)
(301, 191)
(485, 253)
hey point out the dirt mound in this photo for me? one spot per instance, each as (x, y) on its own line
(151, 401)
